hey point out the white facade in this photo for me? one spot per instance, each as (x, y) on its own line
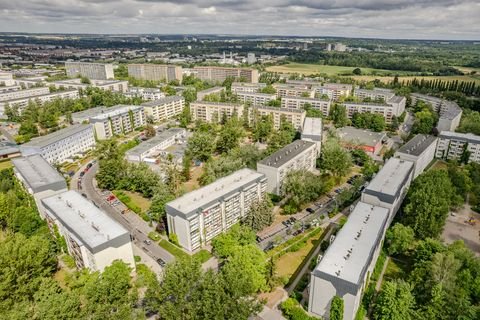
(299, 103)
(288, 90)
(108, 85)
(145, 93)
(118, 120)
(255, 99)
(385, 110)
(334, 90)
(198, 216)
(298, 155)
(375, 94)
(312, 131)
(220, 74)
(451, 146)
(21, 103)
(12, 95)
(97, 71)
(165, 108)
(214, 111)
(238, 87)
(295, 116)
(62, 145)
(6, 79)
(420, 150)
(155, 72)
(93, 239)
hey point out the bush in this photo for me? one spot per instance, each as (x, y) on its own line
(137, 259)
(173, 238)
(292, 310)
(69, 261)
(154, 236)
(324, 245)
(202, 256)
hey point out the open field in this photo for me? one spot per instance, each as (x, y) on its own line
(308, 69)
(386, 79)
(5, 164)
(138, 200)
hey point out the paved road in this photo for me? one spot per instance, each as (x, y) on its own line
(138, 228)
(7, 135)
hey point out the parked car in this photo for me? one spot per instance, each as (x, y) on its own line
(310, 210)
(161, 262)
(147, 242)
(84, 195)
(292, 219)
(89, 165)
(82, 173)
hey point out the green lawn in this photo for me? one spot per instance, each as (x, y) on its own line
(308, 69)
(5, 164)
(202, 255)
(396, 269)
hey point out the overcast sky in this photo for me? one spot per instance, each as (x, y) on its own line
(412, 19)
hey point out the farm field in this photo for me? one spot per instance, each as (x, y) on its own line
(386, 79)
(308, 69)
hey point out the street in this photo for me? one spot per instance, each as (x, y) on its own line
(138, 228)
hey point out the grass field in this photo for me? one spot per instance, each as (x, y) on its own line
(138, 200)
(308, 69)
(5, 164)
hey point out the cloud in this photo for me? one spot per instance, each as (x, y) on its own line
(422, 19)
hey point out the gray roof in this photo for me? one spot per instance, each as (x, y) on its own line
(231, 104)
(158, 102)
(389, 181)
(287, 153)
(59, 135)
(417, 145)
(204, 197)
(450, 110)
(465, 137)
(337, 86)
(93, 227)
(362, 136)
(276, 109)
(86, 114)
(256, 94)
(359, 104)
(396, 99)
(115, 111)
(305, 98)
(248, 84)
(38, 174)
(53, 94)
(349, 256)
(312, 127)
(426, 97)
(154, 141)
(7, 148)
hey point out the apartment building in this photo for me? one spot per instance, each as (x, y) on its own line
(312, 131)
(62, 145)
(449, 112)
(420, 150)
(220, 74)
(305, 82)
(149, 150)
(31, 82)
(200, 215)
(287, 90)
(374, 94)
(298, 155)
(93, 239)
(390, 185)
(12, 95)
(39, 178)
(10, 88)
(452, 145)
(21, 103)
(6, 79)
(334, 90)
(247, 87)
(155, 72)
(165, 108)
(322, 105)
(116, 120)
(215, 111)
(349, 260)
(366, 140)
(107, 85)
(295, 116)
(215, 90)
(385, 110)
(255, 98)
(97, 71)
(145, 93)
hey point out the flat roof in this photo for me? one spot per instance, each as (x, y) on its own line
(362, 136)
(259, 94)
(350, 103)
(61, 134)
(349, 256)
(305, 99)
(396, 99)
(92, 226)
(115, 111)
(287, 153)
(390, 179)
(58, 93)
(162, 101)
(336, 86)
(86, 114)
(214, 89)
(449, 110)
(8, 148)
(417, 145)
(248, 84)
(465, 137)
(154, 141)
(276, 109)
(204, 197)
(426, 97)
(375, 90)
(312, 126)
(231, 104)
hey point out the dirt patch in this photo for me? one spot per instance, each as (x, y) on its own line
(274, 297)
(193, 183)
(457, 228)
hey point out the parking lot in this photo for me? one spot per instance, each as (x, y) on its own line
(461, 226)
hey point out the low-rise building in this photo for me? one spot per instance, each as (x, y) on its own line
(98, 71)
(215, 111)
(39, 178)
(312, 131)
(93, 239)
(348, 261)
(107, 85)
(165, 108)
(238, 87)
(117, 120)
(12, 95)
(288, 90)
(147, 151)
(62, 145)
(369, 141)
(145, 93)
(420, 150)
(255, 98)
(21, 103)
(390, 185)
(334, 90)
(454, 145)
(200, 215)
(155, 72)
(298, 155)
(215, 90)
(295, 116)
(321, 105)
(9, 150)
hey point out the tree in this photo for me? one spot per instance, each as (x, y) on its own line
(225, 244)
(302, 186)
(335, 159)
(399, 239)
(338, 113)
(357, 71)
(150, 131)
(201, 146)
(395, 302)
(336, 309)
(230, 135)
(427, 203)
(269, 89)
(260, 214)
